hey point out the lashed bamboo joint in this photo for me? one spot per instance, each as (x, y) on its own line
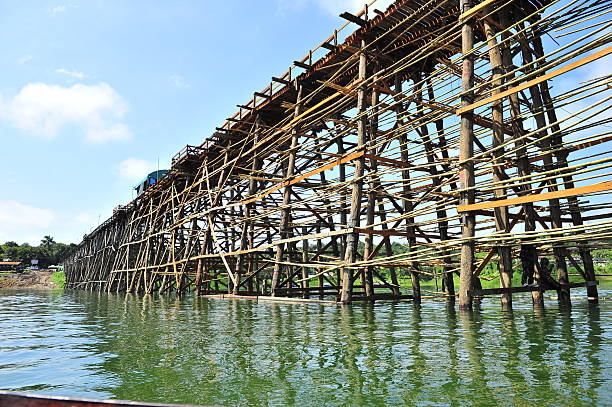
(427, 143)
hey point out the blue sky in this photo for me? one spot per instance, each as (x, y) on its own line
(93, 93)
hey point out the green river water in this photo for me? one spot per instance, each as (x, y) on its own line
(213, 351)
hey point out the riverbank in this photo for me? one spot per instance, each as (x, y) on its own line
(32, 279)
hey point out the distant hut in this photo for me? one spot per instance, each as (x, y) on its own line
(7, 265)
(149, 180)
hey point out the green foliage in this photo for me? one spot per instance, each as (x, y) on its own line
(49, 252)
(59, 279)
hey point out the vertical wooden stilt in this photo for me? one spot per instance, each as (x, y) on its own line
(304, 269)
(343, 198)
(368, 280)
(448, 280)
(286, 211)
(407, 195)
(544, 143)
(352, 239)
(248, 223)
(528, 253)
(561, 156)
(501, 214)
(466, 150)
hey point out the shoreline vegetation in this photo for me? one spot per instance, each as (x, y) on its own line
(48, 252)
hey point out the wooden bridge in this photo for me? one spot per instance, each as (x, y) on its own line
(428, 142)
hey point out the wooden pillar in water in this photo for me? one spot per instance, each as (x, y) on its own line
(544, 144)
(248, 223)
(304, 269)
(343, 196)
(367, 277)
(352, 239)
(528, 251)
(448, 280)
(407, 194)
(286, 211)
(466, 151)
(501, 214)
(561, 156)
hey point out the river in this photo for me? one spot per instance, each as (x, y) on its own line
(214, 351)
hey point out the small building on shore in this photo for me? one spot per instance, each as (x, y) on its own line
(7, 265)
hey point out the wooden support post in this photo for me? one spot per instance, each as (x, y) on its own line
(501, 214)
(336, 250)
(528, 253)
(343, 195)
(352, 239)
(407, 195)
(247, 224)
(561, 156)
(286, 211)
(305, 250)
(320, 279)
(448, 280)
(466, 150)
(555, 208)
(367, 277)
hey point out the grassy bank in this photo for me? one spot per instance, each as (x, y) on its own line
(59, 279)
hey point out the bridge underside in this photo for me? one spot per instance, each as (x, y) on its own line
(430, 142)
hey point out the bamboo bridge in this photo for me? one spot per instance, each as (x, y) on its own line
(435, 138)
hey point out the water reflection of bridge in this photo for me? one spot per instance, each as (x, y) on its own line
(161, 348)
(428, 142)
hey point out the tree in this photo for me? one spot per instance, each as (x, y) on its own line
(47, 253)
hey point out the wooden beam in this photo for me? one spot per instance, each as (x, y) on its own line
(329, 46)
(535, 81)
(302, 65)
(354, 19)
(464, 16)
(263, 95)
(589, 189)
(299, 178)
(389, 162)
(279, 80)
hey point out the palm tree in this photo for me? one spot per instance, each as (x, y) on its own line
(47, 244)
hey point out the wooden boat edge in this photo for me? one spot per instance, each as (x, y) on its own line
(20, 399)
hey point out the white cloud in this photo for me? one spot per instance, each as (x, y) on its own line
(83, 222)
(72, 74)
(20, 222)
(84, 218)
(116, 132)
(43, 109)
(134, 169)
(62, 8)
(24, 60)
(17, 218)
(178, 81)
